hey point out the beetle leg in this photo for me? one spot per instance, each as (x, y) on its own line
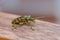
(31, 26)
(14, 26)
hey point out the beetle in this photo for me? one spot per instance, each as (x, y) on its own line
(23, 20)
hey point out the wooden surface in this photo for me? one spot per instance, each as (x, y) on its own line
(7, 35)
(43, 30)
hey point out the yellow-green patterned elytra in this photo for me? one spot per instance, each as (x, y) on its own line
(23, 20)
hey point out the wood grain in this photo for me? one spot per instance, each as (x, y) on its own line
(43, 30)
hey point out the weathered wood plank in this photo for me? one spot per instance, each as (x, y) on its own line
(43, 30)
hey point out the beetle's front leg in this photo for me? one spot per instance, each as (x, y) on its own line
(31, 26)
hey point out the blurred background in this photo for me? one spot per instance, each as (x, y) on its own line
(48, 9)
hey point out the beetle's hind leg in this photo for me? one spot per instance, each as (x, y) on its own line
(14, 26)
